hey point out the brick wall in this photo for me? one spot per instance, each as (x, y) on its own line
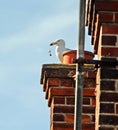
(59, 90)
(102, 22)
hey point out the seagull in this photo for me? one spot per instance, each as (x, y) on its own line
(60, 48)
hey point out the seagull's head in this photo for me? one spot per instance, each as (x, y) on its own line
(59, 42)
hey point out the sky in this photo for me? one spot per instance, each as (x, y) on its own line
(27, 27)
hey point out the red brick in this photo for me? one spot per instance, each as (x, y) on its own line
(58, 117)
(69, 117)
(53, 82)
(67, 82)
(111, 62)
(86, 118)
(106, 128)
(116, 17)
(62, 126)
(106, 6)
(59, 100)
(58, 71)
(109, 29)
(89, 109)
(109, 40)
(105, 17)
(93, 118)
(89, 83)
(89, 92)
(93, 101)
(107, 108)
(90, 126)
(70, 100)
(86, 101)
(109, 74)
(61, 92)
(108, 85)
(109, 52)
(89, 74)
(109, 119)
(63, 109)
(109, 97)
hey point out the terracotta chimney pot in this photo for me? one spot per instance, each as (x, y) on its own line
(71, 54)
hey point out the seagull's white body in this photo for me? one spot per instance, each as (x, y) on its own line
(60, 49)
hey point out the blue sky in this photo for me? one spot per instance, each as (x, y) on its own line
(26, 29)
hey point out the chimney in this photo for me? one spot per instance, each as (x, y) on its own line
(102, 22)
(59, 87)
(100, 101)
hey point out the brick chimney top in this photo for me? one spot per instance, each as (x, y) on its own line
(51, 67)
(59, 87)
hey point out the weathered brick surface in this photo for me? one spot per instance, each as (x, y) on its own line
(67, 82)
(106, 5)
(93, 118)
(94, 101)
(89, 83)
(106, 17)
(58, 117)
(109, 40)
(63, 109)
(106, 128)
(110, 29)
(107, 85)
(70, 100)
(69, 118)
(86, 118)
(61, 92)
(110, 62)
(53, 82)
(109, 51)
(89, 74)
(86, 101)
(88, 92)
(90, 126)
(107, 108)
(62, 126)
(109, 74)
(59, 100)
(89, 109)
(109, 97)
(68, 92)
(109, 119)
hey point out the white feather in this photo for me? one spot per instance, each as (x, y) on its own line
(60, 49)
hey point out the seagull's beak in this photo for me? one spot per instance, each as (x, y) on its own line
(53, 43)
